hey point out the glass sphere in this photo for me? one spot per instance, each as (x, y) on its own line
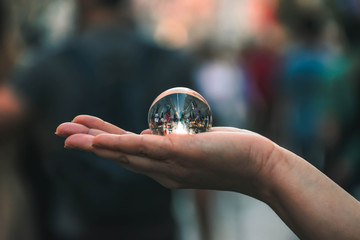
(179, 110)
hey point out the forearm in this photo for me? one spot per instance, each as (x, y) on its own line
(312, 205)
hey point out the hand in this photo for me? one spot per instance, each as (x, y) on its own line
(224, 158)
(312, 205)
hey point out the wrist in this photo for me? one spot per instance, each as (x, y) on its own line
(274, 171)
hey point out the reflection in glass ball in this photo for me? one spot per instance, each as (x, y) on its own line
(179, 110)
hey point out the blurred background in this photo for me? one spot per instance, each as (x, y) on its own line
(287, 69)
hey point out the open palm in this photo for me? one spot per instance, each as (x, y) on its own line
(209, 160)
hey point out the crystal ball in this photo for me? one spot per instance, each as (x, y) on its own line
(179, 110)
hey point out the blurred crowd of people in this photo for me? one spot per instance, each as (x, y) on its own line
(297, 82)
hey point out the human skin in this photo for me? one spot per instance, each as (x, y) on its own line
(231, 159)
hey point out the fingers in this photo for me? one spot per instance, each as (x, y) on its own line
(147, 131)
(79, 141)
(68, 129)
(110, 154)
(132, 162)
(135, 163)
(97, 123)
(150, 146)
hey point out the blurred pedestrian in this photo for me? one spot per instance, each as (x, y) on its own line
(308, 73)
(107, 70)
(15, 216)
(343, 138)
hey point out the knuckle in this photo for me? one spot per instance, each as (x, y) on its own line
(142, 151)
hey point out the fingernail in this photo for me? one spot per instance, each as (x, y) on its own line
(59, 135)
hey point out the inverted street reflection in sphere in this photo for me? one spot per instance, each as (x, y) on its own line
(179, 110)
